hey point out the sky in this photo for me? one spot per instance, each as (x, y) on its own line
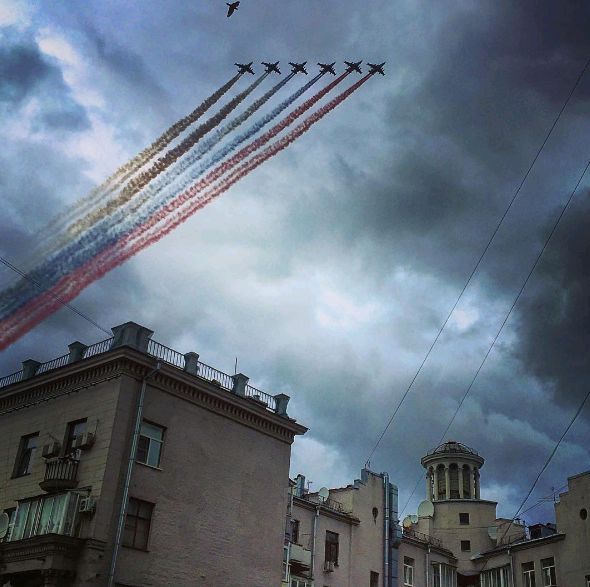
(328, 271)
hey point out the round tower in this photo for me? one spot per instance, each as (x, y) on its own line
(452, 472)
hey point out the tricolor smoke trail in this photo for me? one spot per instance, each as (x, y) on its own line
(141, 180)
(70, 286)
(93, 241)
(184, 162)
(139, 160)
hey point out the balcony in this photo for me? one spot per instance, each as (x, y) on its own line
(61, 473)
(300, 555)
(411, 533)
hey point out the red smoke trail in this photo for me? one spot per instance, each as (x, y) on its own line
(70, 286)
(144, 156)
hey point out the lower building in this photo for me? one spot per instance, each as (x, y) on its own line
(343, 537)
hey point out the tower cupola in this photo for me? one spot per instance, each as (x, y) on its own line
(452, 472)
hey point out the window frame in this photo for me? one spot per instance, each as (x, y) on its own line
(528, 574)
(332, 547)
(462, 518)
(151, 441)
(22, 469)
(409, 564)
(549, 579)
(295, 527)
(70, 435)
(135, 517)
(465, 545)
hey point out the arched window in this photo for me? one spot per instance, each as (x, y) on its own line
(441, 489)
(454, 481)
(467, 482)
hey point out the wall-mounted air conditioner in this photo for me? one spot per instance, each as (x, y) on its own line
(51, 449)
(83, 441)
(86, 505)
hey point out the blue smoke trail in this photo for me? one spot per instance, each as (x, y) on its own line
(105, 233)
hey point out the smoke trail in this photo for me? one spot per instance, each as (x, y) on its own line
(70, 286)
(85, 248)
(138, 161)
(141, 180)
(11, 299)
(195, 155)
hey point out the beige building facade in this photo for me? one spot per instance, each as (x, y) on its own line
(127, 463)
(344, 537)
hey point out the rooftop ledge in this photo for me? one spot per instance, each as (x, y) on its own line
(138, 337)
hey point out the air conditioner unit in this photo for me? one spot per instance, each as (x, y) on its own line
(83, 441)
(87, 505)
(51, 449)
(328, 566)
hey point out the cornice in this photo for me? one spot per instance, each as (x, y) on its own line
(39, 547)
(130, 362)
(325, 511)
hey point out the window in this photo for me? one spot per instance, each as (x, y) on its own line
(331, 551)
(285, 563)
(465, 545)
(528, 574)
(295, 582)
(499, 577)
(137, 523)
(75, 429)
(374, 579)
(25, 454)
(48, 514)
(464, 519)
(443, 575)
(454, 481)
(151, 437)
(584, 513)
(408, 571)
(295, 531)
(587, 580)
(548, 572)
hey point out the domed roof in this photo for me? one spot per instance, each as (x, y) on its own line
(452, 446)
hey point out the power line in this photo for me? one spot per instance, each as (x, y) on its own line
(479, 261)
(509, 313)
(57, 298)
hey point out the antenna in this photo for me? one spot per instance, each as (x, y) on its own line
(236, 366)
(493, 532)
(324, 494)
(426, 509)
(407, 523)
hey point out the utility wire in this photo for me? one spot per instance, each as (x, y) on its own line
(542, 470)
(57, 298)
(479, 261)
(508, 314)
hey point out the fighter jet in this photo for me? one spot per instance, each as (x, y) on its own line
(327, 68)
(354, 66)
(232, 7)
(376, 68)
(245, 67)
(298, 67)
(271, 67)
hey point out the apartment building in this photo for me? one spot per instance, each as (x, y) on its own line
(127, 463)
(343, 537)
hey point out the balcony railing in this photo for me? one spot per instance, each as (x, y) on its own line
(329, 503)
(164, 354)
(423, 537)
(60, 473)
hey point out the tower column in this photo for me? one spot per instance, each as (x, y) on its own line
(461, 495)
(428, 485)
(476, 480)
(447, 482)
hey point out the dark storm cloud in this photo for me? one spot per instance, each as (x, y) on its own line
(554, 316)
(25, 73)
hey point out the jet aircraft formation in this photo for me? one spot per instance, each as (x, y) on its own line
(300, 67)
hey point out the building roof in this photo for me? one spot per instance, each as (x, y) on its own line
(452, 446)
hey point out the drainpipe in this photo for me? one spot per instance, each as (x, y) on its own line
(134, 442)
(313, 540)
(393, 537)
(386, 532)
(427, 555)
(512, 574)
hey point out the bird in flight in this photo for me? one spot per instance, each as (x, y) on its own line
(232, 7)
